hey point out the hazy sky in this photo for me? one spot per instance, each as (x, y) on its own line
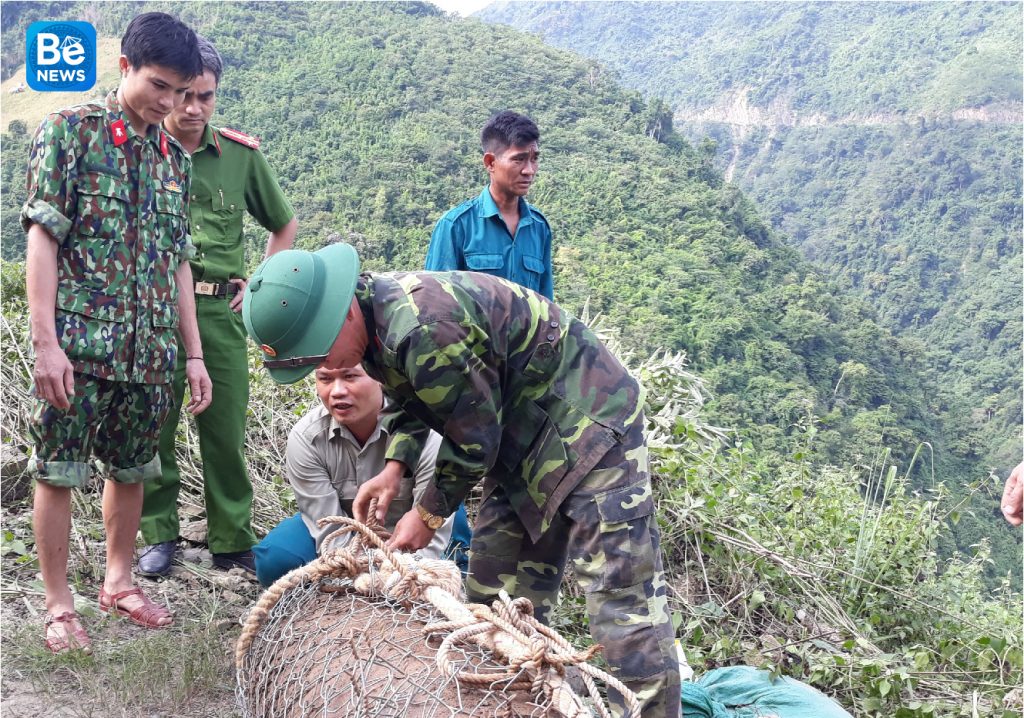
(462, 7)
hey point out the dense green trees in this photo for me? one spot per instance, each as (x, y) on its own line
(884, 142)
(370, 115)
(837, 59)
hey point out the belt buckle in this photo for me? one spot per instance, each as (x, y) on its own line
(208, 289)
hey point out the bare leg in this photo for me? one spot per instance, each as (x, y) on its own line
(51, 522)
(122, 510)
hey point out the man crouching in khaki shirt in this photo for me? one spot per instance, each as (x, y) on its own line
(332, 450)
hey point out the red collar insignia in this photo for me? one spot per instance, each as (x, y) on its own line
(241, 138)
(120, 133)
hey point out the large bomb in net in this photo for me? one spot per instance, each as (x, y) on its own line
(368, 632)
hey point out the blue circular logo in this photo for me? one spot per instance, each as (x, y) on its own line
(60, 56)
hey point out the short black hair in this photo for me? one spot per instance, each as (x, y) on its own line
(156, 38)
(211, 58)
(507, 129)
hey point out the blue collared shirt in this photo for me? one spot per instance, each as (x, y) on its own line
(473, 237)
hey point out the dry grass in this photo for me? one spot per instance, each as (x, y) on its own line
(183, 672)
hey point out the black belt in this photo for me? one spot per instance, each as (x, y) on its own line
(209, 289)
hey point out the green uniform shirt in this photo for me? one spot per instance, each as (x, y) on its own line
(115, 202)
(521, 390)
(228, 179)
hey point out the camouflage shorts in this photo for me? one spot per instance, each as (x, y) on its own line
(608, 529)
(118, 422)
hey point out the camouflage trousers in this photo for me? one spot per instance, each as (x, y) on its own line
(607, 527)
(118, 422)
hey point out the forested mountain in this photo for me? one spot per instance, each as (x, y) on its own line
(883, 140)
(370, 115)
(803, 61)
(798, 528)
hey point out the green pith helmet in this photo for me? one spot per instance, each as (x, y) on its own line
(295, 305)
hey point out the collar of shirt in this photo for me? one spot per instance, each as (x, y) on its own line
(489, 208)
(115, 112)
(209, 139)
(338, 430)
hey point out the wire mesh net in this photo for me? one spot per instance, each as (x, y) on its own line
(367, 632)
(343, 654)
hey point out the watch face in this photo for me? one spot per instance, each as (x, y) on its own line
(433, 522)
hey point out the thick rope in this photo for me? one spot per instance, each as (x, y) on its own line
(537, 656)
(335, 564)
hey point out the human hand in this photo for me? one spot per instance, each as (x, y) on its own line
(384, 487)
(54, 377)
(1013, 496)
(236, 301)
(410, 534)
(200, 388)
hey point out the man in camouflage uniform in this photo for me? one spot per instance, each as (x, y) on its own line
(107, 285)
(230, 177)
(528, 401)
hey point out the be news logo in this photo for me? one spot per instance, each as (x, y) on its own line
(60, 56)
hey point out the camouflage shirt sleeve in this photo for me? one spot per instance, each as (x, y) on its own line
(52, 166)
(407, 436)
(461, 388)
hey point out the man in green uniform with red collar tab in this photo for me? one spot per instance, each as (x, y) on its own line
(230, 177)
(108, 283)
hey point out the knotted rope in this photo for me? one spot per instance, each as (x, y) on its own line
(508, 629)
(536, 655)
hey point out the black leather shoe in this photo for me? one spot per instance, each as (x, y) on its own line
(156, 560)
(235, 559)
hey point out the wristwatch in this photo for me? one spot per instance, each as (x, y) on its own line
(433, 522)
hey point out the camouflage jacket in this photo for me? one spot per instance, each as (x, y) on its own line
(116, 203)
(521, 390)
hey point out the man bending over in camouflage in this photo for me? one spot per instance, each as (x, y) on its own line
(528, 401)
(107, 282)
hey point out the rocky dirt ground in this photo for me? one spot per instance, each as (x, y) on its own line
(183, 672)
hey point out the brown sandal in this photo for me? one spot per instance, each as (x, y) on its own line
(60, 644)
(148, 614)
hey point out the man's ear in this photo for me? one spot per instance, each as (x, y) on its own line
(123, 64)
(489, 158)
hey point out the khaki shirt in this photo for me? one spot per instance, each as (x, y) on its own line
(326, 466)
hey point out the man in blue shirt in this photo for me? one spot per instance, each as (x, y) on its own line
(498, 232)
